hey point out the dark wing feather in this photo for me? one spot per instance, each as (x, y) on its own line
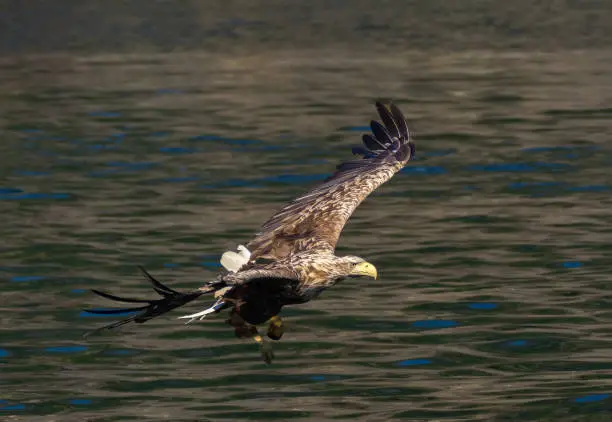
(271, 271)
(398, 118)
(372, 143)
(388, 120)
(381, 134)
(170, 299)
(314, 221)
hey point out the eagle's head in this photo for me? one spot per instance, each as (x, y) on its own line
(355, 266)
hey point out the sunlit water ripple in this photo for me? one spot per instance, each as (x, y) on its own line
(493, 246)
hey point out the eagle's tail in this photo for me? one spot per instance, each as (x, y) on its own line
(170, 299)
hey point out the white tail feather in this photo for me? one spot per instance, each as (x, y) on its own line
(233, 261)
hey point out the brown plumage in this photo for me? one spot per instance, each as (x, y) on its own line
(292, 256)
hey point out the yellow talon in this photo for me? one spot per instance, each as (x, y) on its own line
(266, 349)
(275, 328)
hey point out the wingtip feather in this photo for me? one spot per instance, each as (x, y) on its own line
(388, 121)
(400, 121)
(160, 288)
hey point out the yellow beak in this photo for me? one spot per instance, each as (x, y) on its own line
(364, 269)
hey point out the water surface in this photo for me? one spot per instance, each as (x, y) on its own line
(492, 247)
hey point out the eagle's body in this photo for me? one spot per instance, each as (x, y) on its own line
(291, 260)
(297, 278)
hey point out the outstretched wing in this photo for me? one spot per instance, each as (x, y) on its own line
(314, 220)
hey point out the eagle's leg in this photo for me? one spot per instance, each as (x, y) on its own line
(264, 346)
(275, 328)
(242, 329)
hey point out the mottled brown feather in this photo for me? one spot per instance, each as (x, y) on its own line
(315, 220)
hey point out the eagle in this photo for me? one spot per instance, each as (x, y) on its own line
(292, 259)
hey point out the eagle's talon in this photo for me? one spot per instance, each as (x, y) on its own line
(275, 328)
(266, 350)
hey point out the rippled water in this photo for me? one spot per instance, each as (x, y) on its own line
(493, 246)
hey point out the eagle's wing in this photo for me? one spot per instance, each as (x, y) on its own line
(314, 220)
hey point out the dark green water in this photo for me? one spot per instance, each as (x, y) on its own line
(493, 247)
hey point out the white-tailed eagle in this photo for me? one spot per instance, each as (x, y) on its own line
(291, 259)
